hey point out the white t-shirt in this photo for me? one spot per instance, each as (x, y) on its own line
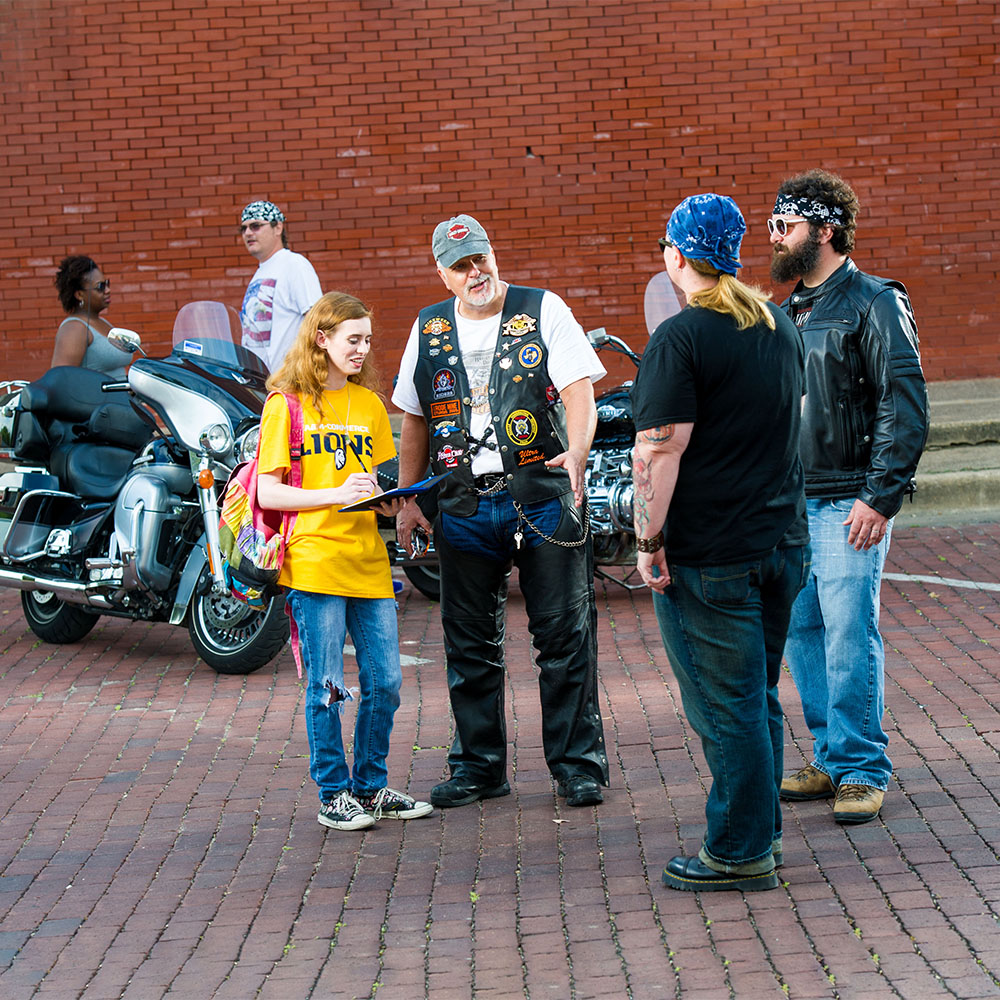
(570, 358)
(282, 291)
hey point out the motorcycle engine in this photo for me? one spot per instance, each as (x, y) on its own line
(609, 490)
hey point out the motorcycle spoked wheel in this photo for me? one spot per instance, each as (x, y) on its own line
(427, 579)
(234, 639)
(53, 620)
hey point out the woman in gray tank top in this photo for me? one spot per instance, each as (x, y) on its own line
(81, 339)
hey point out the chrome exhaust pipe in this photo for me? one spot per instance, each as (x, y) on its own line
(70, 591)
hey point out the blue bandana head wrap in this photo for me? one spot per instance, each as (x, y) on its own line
(266, 211)
(708, 227)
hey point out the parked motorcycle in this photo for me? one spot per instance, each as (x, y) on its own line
(113, 505)
(608, 479)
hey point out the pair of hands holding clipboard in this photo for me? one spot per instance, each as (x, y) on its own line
(400, 493)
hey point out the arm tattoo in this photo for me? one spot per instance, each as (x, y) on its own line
(657, 435)
(643, 483)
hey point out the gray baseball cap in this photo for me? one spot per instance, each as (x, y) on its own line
(458, 237)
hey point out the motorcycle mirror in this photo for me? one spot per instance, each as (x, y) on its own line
(598, 337)
(126, 340)
(661, 301)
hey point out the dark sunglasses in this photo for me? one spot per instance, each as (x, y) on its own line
(664, 243)
(102, 286)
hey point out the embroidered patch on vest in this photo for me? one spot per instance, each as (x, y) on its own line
(530, 356)
(436, 326)
(520, 325)
(445, 428)
(443, 383)
(521, 427)
(528, 455)
(450, 408)
(450, 456)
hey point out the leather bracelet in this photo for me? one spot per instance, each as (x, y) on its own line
(653, 544)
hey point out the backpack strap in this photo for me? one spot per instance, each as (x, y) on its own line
(295, 437)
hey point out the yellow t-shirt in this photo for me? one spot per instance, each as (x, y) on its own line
(329, 552)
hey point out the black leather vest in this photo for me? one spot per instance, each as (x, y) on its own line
(528, 419)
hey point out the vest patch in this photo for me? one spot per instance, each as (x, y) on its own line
(520, 325)
(436, 325)
(530, 356)
(521, 427)
(528, 455)
(449, 408)
(450, 456)
(443, 383)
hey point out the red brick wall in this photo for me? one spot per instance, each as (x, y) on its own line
(135, 131)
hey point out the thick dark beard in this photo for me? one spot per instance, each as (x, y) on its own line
(791, 265)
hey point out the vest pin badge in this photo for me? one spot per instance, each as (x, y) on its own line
(517, 378)
(520, 325)
(447, 347)
(434, 341)
(453, 360)
(505, 362)
(530, 356)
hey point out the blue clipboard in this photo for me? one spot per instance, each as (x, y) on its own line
(369, 503)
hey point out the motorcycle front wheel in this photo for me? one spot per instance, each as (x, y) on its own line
(53, 620)
(234, 639)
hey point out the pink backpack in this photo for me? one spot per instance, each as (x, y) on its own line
(251, 539)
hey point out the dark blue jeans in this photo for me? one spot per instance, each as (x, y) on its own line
(724, 630)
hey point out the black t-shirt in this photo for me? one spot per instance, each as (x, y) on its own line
(739, 489)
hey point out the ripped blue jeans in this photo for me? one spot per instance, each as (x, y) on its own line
(323, 621)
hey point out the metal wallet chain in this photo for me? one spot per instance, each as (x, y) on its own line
(541, 534)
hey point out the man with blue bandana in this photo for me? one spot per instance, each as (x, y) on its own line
(282, 291)
(864, 425)
(720, 526)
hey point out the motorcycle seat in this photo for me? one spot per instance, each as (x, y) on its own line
(92, 471)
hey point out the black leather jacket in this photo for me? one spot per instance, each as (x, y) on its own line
(864, 424)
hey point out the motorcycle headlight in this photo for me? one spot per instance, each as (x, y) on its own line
(216, 439)
(246, 446)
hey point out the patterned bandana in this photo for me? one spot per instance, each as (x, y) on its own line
(708, 227)
(809, 208)
(266, 211)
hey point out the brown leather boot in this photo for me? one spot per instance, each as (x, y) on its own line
(857, 803)
(809, 783)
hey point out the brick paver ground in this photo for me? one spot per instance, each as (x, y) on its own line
(158, 834)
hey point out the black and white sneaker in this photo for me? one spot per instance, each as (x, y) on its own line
(387, 803)
(344, 813)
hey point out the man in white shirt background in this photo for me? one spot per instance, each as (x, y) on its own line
(282, 290)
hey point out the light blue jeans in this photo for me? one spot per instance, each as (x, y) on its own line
(835, 652)
(323, 621)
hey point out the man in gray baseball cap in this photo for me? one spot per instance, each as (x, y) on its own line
(496, 385)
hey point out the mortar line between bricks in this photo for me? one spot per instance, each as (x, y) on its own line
(518, 886)
(563, 916)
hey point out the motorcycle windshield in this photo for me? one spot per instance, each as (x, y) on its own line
(210, 332)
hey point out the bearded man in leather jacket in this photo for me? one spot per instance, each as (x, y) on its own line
(496, 385)
(864, 425)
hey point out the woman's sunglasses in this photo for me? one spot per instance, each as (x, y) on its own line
(102, 286)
